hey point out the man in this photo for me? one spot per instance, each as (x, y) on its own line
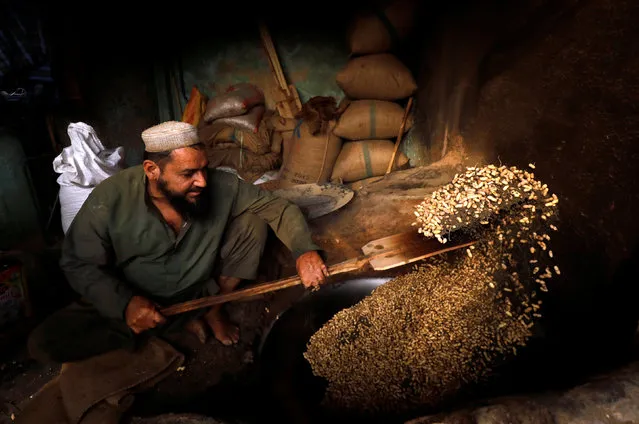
(163, 232)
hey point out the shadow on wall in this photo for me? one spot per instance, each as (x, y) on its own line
(465, 44)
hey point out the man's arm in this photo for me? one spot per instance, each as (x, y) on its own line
(289, 224)
(86, 256)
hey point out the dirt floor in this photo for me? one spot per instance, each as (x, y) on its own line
(207, 367)
(216, 381)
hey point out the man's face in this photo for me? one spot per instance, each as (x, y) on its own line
(182, 180)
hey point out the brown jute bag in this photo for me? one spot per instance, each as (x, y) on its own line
(277, 123)
(381, 29)
(311, 157)
(248, 165)
(364, 159)
(378, 76)
(258, 143)
(371, 119)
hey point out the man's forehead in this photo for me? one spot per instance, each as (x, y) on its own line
(188, 158)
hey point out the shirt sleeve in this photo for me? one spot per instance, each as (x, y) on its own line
(285, 218)
(86, 257)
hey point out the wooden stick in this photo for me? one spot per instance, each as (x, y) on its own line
(381, 254)
(340, 268)
(273, 58)
(399, 136)
(445, 144)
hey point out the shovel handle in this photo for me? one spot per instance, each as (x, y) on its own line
(339, 268)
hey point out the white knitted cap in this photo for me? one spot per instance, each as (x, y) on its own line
(169, 136)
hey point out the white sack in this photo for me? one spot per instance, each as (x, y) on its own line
(71, 199)
(82, 166)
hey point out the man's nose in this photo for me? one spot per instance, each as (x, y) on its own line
(200, 179)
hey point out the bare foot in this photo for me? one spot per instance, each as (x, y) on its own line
(223, 330)
(197, 327)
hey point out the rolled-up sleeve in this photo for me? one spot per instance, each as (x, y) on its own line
(87, 257)
(285, 218)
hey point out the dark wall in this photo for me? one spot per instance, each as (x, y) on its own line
(113, 61)
(566, 99)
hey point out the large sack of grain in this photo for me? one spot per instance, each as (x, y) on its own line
(276, 142)
(250, 121)
(208, 132)
(364, 159)
(383, 28)
(311, 157)
(378, 76)
(277, 123)
(287, 146)
(371, 119)
(282, 129)
(258, 143)
(237, 100)
(249, 165)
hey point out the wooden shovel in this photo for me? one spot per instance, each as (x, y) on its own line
(381, 254)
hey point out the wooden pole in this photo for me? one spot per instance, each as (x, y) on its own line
(288, 103)
(190, 305)
(400, 135)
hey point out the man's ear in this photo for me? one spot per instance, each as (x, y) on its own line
(151, 169)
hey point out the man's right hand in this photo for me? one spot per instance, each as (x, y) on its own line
(141, 314)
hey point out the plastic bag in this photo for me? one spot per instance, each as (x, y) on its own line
(82, 166)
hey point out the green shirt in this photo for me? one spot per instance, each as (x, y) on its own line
(118, 244)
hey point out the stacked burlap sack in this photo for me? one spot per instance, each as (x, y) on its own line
(374, 82)
(382, 26)
(311, 147)
(236, 132)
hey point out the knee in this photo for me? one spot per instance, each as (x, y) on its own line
(250, 227)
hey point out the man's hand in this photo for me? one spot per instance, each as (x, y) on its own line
(311, 269)
(141, 314)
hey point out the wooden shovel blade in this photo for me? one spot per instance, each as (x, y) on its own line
(405, 248)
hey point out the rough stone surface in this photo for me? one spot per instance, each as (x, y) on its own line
(607, 398)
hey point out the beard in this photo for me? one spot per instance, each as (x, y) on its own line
(196, 208)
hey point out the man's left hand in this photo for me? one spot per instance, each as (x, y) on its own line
(311, 269)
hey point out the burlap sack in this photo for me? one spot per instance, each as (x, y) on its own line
(207, 132)
(236, 100)
(225, 145)
(250, 121)
(383, 28)
(276, 142)
(312, 157)
(287, 144)
(371, 119)
(248, 165)
(377, 76)
(258, 143)
(277, 123)
(364, 159)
